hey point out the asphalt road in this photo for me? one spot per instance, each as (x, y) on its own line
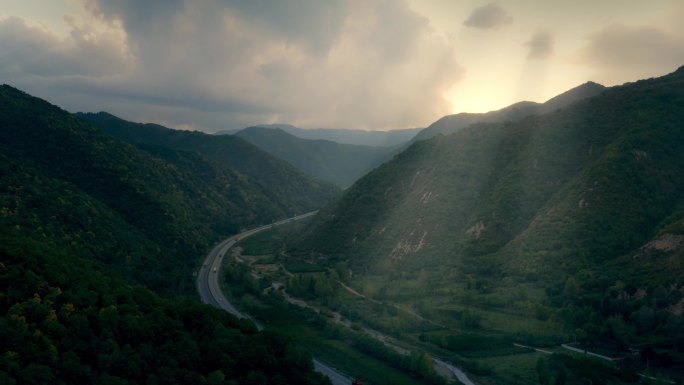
(335, 377)
(210, 291)
(207, 277)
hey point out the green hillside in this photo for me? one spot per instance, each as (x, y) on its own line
(178, 201)
(84, 220)
(572, 218)
(341, 164)
(289, 189)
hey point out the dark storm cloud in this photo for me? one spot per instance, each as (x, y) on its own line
(339, 62)
(316, 24)
(540, 45)
(227, 63)
(313, 23)
(488, 16)
(137, 16)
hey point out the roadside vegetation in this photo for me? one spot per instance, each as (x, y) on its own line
(490, 334)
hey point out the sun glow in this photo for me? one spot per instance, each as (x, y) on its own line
(477, 95)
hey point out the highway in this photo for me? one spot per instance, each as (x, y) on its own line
(335, 377)
(210, 291)
(207, 279)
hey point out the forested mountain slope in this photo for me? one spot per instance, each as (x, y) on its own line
(581, 206)
(84, 220)
(606, 163)
(178, 201)
(285, 186)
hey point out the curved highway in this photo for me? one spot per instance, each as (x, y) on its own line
(207, 278)
(210, 291)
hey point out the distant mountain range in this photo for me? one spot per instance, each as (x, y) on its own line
(329, 154)
(339, 163)
(388, 138)
(585, 190)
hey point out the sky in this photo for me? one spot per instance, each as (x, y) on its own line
(215, 65)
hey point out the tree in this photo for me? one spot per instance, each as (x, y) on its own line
(572, 289)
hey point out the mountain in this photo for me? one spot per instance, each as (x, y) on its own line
(289, 189)
(517, 111)
(85, 219)
(162, 207)
(341, 164)
(388, 138)
(577, 214)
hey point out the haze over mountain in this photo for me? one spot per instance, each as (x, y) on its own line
(86, 219)
(452, 123)
(388, 138)
(341, 164)
(571, 204)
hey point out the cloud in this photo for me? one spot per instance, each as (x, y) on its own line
(222, 64)
(85, 52)
(620, 51)
(488, 16)
(540, 45)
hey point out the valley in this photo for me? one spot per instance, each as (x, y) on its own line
(491, 355)
(504, 263)
(341, 192)
(540, 250)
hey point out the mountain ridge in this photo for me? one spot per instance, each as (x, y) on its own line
(452, 123)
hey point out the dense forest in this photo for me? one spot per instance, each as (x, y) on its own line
(64, 321)
(94, 229)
